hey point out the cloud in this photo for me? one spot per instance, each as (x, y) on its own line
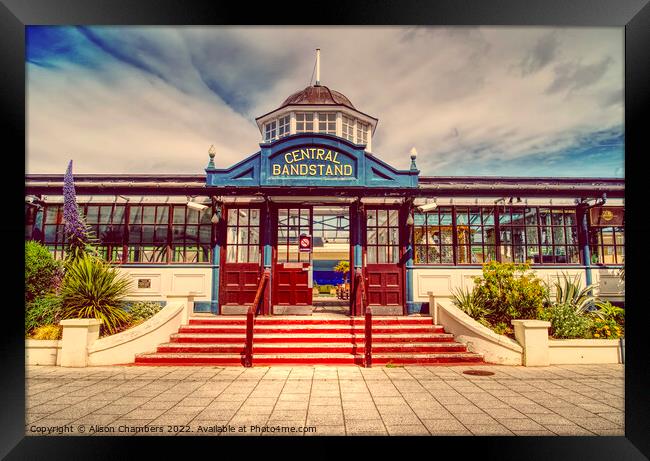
(574, 75)
(471, 100)
(541, 54)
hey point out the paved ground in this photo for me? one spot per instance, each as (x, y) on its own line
(412, 400)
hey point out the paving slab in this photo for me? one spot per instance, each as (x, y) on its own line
(565, 400)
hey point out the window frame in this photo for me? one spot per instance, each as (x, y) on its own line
(498, 246)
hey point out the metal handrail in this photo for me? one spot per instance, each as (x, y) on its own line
(250, 319)
(368, 322)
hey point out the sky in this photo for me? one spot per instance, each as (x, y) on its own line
(473, 101)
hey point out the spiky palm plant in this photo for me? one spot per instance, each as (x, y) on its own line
(569, 291)
(470, 303)
(94, 289)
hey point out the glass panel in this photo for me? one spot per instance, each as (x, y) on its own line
(419, 219)
(434, 255)
(383, 235)
(531, 217)
(463, 236)
(392, 218)
(149, 215)
(619, 235)
(519, 255)
(92, 215)
(382, 254)
(232, 235)
(557, 218)
(463, 254)
(461, 216)
(242, 254)
(382, 217)
(475, 235)
(447, 254)
(419, 237)
(192, 233)
(570, 218)
(573, 255)
(447, 236)
(253, 254)
(434, 235)
(558, 235)
(445, 216)
(254, 236)
(193, 216)
(477, 254)
(255, 217)
(393, 237)
(420, 254)
(371, 236)
(135, 214)
(243, 235)
(162, 215)
(490, 253)
(517, 216)
(488, 216)
(489, 235)
(205, 234)
(393, 254)
(232, 217)
(433, 219)
(531, 235)
(371, 255)
(243, 217)
(179, 215)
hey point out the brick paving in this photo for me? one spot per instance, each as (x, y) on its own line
(345, 400)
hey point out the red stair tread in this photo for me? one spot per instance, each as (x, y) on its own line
(301, 340)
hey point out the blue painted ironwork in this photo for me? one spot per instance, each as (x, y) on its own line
(312, 160)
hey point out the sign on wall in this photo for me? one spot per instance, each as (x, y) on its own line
(312, 162)
(606, 216)
(304, 243)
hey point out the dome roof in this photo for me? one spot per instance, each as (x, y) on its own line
(317, 95)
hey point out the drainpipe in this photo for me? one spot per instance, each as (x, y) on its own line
(216, 258)
(268, 257)
(358, 256)
(410, 303)
(584, 235)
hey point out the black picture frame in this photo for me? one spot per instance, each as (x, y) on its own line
(633, 15)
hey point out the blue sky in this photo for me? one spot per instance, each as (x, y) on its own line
(507, 101)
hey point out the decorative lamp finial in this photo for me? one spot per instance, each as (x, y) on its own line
(211, 153)
(414, 154)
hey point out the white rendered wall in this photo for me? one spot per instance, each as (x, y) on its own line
(170, 279)
(442, 281)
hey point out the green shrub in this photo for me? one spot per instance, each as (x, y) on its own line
(42, 272)
(569, 292)
(50, 332)
(142, 310)
(508, 292)
(567, 322)
(503, 328)
(93, 289)
(45, 310)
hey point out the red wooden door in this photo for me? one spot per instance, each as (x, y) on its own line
(383, 271)
(292, 284)
(240, 269)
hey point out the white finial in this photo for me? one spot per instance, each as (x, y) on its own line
(413, 151)
(317, 66)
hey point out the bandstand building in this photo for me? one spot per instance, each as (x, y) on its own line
(316, 194)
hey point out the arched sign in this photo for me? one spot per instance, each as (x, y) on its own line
(312, 160)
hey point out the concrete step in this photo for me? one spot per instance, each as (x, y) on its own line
(241, 320)
(309, 329)
(318, 338)
(330, 358)
(350, 348)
